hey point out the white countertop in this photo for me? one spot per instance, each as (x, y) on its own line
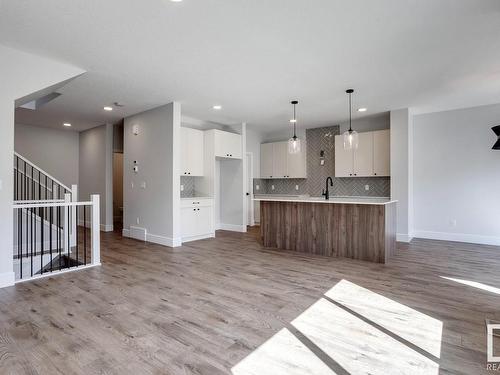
(333, 199)
(191, 198)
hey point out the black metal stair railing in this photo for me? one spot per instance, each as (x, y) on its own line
(33, 184)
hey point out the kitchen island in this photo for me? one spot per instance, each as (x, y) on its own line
(358, 228)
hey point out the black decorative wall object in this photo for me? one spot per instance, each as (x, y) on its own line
(496, 129)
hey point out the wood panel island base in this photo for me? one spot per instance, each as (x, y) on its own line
(363, 229)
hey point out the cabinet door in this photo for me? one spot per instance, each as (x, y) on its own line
(343, 159)
(185, 152)
(234, 143)
(297, 163)
(227, 145)
(382, 153)
(204, 221)
(196, 144)
(266, 160)
(188, 222)
(191, 152)
(363, 155)
(280, 159)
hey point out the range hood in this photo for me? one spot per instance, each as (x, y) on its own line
(496, 129)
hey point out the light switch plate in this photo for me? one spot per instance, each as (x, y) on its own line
(182, 187)
(367, 187)
(296, 187)
(257, 187)
(272, 187)
(143, 185)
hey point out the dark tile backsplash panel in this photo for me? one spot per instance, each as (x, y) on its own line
(323, 139)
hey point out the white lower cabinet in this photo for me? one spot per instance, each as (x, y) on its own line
(197, 219)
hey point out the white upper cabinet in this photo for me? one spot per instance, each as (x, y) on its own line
(343, 159)
(297, 163)
(227, 145)
(191, 152)
(382, 153)
(363, 156)
(266, 160)
(276, 162)
(280, 160)
(371, 158)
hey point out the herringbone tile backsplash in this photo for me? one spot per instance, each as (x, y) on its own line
(323, 139)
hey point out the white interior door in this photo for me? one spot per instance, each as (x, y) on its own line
(249, 190)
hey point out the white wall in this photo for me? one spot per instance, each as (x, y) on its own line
(379, 121)
(21, 74)
(401, 171)
(95, 169)
(53, 150)
(157, 150)
(457, 175)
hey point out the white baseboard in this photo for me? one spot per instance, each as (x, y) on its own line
(459, 237)
(106, 227)
(400, 237)
(165, 241)
(195, 238)
(7, 279)
(102, 227)
(232, 227)
(154, 238)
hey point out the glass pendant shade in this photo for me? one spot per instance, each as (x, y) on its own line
(351, 140)
(294, 145)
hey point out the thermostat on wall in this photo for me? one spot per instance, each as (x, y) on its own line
(135, 129)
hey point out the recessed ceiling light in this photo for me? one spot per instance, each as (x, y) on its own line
(362, 109)
(176, 1)
(108, 108)
(217, 107)
(67, 124)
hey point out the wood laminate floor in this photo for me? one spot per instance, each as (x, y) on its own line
(227, 305)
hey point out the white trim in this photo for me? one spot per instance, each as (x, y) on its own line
(154, 238)
(106, 227)
(55, 273)
(400, 237)
(249, 175)
(233, 227)
(42, 171)
(459, 237)
(7, 279)
(57, 204)
(200, 237)
(165, 241)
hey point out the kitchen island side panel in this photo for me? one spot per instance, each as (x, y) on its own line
(357, 231)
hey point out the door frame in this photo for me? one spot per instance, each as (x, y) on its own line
(250, 206)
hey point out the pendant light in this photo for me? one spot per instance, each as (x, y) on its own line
(294, 142)
(351, 140)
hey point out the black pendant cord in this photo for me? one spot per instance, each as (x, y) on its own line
(350, 91)
(294, 102)
(294, 122)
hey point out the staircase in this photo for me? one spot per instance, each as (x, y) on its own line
(52, 231)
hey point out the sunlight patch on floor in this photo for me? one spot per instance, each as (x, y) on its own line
(474, 284)
(282, 354)
(419, 329)
(356, 345)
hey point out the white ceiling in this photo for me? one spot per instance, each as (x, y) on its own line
(254, 56)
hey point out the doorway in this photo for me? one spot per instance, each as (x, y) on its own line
(118, 191)
(249, 190)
